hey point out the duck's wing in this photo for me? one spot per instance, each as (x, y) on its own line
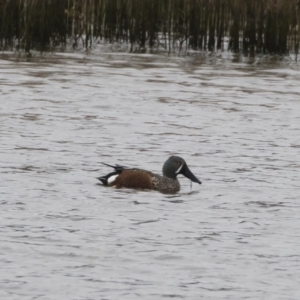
(109, 178)
(128, 178)
(117, 167)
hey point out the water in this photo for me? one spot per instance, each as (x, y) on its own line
(64, 236)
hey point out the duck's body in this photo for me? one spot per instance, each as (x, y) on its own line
(124, 177)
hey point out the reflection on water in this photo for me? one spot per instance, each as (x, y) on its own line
(64, 236)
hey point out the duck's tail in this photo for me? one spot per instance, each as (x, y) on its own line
(111, 176)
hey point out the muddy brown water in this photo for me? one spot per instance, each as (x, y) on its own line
(64, 236)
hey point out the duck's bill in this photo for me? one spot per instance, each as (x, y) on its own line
(188, 174)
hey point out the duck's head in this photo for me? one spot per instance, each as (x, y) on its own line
(176, 165)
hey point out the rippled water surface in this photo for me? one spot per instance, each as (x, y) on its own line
(64, 236)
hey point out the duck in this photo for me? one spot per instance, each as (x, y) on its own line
(134, 178)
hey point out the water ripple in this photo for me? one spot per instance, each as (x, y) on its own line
(65, 236)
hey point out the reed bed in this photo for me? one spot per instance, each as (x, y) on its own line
(248, 26)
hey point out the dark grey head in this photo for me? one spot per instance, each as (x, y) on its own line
(176, 165)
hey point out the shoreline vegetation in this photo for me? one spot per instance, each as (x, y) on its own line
(240, 26)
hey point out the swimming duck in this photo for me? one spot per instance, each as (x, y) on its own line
(133, 178)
